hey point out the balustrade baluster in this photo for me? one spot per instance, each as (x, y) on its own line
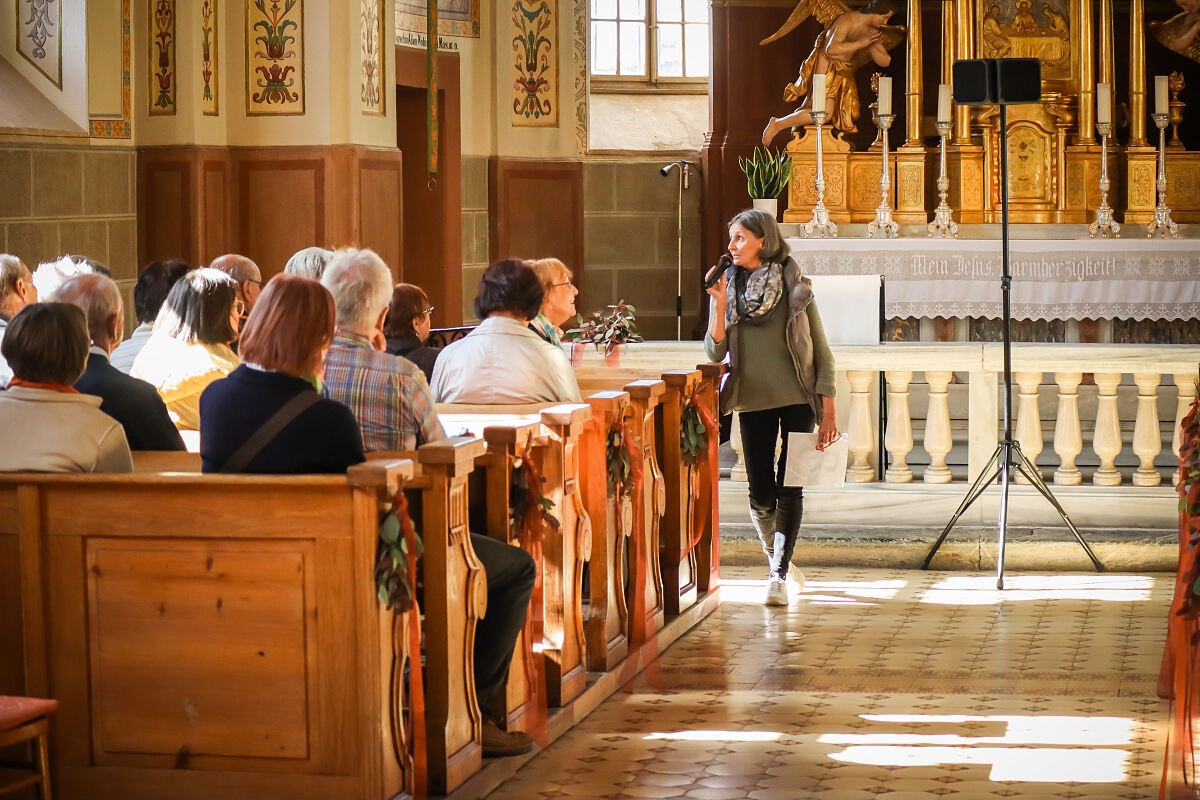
(861, 426)
(1107, 439)
(1029, 418)
(938, 439)
(1068, 436)
(898, 439)
(1147, 438)
(1186, 383)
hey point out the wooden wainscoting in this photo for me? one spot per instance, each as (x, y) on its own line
(268, 202)
(537, 211)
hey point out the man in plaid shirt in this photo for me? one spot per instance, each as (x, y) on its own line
(387, 394)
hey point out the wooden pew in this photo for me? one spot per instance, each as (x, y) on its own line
(507, 441)
(606, 619)
(175, 618)
(646, 609)
(455, 598)
(564, 551)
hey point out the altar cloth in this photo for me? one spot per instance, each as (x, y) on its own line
(1073, 279)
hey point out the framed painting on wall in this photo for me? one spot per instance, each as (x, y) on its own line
(274, 57)
(455, 18)
(372, 59)
(162, 58)
(209, 60)
(39, 36)
(535, 63)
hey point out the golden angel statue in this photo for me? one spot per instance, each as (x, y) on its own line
(1179, 33)
(850, 39)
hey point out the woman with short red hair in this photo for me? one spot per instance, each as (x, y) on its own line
(268, 415)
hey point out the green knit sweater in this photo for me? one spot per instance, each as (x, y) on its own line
(766, 375)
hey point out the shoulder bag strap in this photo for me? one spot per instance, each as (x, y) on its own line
(269, 430)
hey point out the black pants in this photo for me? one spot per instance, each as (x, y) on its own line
(510, 576)
(776, 509)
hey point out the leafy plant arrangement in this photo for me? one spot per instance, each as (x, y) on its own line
(767, 173)
(693, 437)
(611, 328)
(391, 561)
(525, 493)
(620, 467)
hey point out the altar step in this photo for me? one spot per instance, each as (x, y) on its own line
(894, 525)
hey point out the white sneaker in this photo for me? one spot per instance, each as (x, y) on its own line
(777, 592)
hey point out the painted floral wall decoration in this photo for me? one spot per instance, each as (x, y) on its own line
(162, 56)
(275, 57)
(535, 63)
(39, 23)
(209, 95)
(371, 57)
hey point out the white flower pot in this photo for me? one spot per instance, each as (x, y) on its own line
(771, 206)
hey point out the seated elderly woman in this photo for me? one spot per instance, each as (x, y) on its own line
(558, 305)
(268, 415)
(190, 345)
(61, 430)
(407, 327)
(502, 361)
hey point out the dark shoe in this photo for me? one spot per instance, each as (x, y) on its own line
(498, 743)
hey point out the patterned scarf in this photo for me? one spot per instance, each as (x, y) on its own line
(752, 295)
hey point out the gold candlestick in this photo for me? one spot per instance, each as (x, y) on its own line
(1162, 225)
(883, 214)
(943, 224)
(820, 226)
(1104, 223)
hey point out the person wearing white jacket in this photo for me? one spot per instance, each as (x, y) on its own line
(50, 426)
(502, 361)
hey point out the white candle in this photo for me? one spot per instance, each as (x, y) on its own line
(885, 95)
(943, 103)
(818, 92)
(1160, 95)
(1104, 103)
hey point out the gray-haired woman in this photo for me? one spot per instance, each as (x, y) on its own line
(763, 316)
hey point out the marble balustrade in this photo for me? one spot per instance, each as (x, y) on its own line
(1154, 369)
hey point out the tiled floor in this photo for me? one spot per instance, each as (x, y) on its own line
(887, 684)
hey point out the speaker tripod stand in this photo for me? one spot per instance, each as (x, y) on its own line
(1007, 457)
(989, 89)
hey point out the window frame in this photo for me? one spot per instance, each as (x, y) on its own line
(652, 83)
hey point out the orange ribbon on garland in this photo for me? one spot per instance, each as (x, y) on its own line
(704, 505)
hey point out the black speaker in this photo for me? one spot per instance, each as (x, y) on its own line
(974, 82)
(1019, 80)
(997, 81)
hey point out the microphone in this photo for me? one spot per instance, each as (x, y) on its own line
(723, 263)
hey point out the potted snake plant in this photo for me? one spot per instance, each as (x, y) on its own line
(767, 173)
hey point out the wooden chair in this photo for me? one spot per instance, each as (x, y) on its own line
(27, 719)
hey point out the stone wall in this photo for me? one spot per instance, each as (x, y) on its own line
(630, 223)
(71, 199)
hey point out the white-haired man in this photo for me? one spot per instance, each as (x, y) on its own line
(132, 402)
(16, 292)
(391, 401)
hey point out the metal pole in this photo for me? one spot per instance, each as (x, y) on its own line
(679, 258)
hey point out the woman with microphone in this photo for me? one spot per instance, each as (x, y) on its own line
(781, 374)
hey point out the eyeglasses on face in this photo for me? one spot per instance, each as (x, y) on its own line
(564, 283)
(429, 310)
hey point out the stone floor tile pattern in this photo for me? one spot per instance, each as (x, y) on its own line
(880, 684)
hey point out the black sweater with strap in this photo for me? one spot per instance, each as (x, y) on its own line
(324, 438)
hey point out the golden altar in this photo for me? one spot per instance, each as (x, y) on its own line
(1054, 153)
